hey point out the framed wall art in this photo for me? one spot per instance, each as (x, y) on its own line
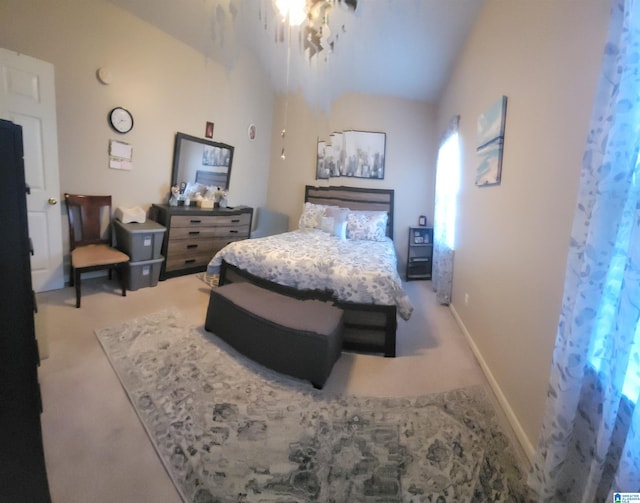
(357, 154)
(208, 130)
(490, 143)
(322, 171)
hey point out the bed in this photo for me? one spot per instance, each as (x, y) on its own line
(316, 261)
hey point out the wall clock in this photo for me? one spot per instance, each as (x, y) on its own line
(121, 120)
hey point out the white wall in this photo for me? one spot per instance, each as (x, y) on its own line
(512, 239)
(167, 86)
(410, 154)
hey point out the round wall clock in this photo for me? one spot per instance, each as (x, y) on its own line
(121, 120)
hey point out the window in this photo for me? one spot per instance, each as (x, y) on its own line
(447, 186)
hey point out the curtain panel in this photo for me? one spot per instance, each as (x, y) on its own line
(447, 174)
(589, 444)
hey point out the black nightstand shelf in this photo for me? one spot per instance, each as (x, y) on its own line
(420, 253)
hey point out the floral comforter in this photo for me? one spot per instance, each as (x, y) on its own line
(363, 272)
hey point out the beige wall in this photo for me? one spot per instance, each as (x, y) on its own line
(168, 87)
(512, 239)
(410, 154)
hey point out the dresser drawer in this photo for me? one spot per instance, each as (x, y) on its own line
(194, 232)
(196, 246)
(179, 263)
(210, 220)
(192, 253)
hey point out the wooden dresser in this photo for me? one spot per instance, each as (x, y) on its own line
(194, 235)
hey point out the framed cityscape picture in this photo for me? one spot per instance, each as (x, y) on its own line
(357, 154)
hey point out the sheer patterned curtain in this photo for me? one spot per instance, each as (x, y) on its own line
(589, 444)
(444, 222)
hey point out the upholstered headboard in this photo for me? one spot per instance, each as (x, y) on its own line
(355, 198)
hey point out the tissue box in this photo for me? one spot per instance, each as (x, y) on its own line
(206, 204)
(129, 215)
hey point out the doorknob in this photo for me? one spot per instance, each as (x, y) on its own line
(53, 201)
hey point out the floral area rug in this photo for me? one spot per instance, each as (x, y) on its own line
(229, 430)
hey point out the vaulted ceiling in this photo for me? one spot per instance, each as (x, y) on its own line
(402, 48)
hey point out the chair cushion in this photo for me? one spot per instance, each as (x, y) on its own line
(96, 255)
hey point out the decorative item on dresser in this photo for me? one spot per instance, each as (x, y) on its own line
(23, 475)
(194, 235)
(420, 253)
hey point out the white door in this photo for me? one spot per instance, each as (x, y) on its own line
(27, 98)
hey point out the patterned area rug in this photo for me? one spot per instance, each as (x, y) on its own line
(229, 430)
(210, 279)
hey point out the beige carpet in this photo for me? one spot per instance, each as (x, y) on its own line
(95, 447)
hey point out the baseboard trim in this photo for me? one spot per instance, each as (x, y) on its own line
(526, 445)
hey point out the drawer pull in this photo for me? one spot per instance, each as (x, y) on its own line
(193, 221)
(233, 231)
(235, 220)
(189, 261)
(191, 246)
(194, 233)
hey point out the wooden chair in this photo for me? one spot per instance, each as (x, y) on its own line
(90, 251)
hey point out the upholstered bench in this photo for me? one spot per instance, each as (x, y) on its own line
(301, 338)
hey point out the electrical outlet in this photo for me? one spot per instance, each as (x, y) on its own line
(466, 299)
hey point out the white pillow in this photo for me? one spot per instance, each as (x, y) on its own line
(327, 224)
(367, 225)
(311, 215)
(339, 216)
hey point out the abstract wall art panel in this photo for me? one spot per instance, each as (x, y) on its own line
(490, 143)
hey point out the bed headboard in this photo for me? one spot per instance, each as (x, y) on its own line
(209, 178)
(355, 198)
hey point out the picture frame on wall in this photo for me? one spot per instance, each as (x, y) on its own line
(322, 171)
(365, 154)
(357, 154)
(490, 143)
(208, 130)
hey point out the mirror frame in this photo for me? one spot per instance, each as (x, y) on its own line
(176, 173)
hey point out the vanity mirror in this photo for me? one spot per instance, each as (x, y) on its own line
(205, 162)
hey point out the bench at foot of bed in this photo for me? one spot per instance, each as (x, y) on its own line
(301, 338)
(367, 328)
